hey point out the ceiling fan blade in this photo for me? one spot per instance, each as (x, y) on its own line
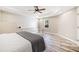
(39, 12)
(36, 7)
(42, 9)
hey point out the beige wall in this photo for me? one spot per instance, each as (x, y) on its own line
(7, 22)
(77, 23)
(53, 21)
(64, 24)
(67, 24)
(10, 22)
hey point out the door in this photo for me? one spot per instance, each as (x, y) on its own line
(78, 27)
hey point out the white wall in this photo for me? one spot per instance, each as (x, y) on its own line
(10, 22)
(29, 23)
(67, 24)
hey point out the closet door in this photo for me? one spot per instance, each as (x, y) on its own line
(77, 27)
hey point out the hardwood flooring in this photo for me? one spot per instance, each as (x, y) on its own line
(56, 43)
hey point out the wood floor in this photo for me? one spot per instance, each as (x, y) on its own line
(55, 43)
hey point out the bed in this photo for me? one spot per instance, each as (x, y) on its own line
(21, 42)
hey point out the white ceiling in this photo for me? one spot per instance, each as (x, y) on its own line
(25, 10)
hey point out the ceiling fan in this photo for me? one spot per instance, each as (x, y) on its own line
(36, 9)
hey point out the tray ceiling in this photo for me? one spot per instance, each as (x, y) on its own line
(26, 10)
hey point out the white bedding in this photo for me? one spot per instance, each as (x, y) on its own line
(13, 42)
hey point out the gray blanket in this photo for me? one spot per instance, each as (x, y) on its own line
(37, 41)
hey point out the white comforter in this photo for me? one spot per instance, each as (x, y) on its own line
(14, 43)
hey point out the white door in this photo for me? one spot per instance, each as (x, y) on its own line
(77, 27)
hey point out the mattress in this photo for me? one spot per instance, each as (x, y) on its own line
(14, 43)
(21, 42)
